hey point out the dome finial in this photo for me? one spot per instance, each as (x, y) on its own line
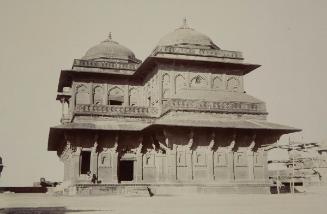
(185, 25)
(110, 36)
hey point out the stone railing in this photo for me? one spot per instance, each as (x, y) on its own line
(111, 110)
(211, 106)
(198, 52)
(172, 104)
(106, 65)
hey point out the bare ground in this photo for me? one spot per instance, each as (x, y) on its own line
(314, 202)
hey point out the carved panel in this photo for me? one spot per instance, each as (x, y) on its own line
(199, 158)
(233, 84)
(105, 159)
(218, 83)
(220, 159)
(149, 160)
(181, 158)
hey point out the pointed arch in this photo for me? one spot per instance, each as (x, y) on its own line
(98, 95)
(116, 96)
(82, 95)
(179, 83)
(198, 82)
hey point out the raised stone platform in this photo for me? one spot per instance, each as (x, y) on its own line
(166, 189)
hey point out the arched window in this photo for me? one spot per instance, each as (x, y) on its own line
(82, 95)
(198, 82)
(98, 95)
(179, 83)
(116, 96)
(233, 84)
(217, 83)
(133, 97)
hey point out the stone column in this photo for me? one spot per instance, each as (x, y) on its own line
(250, 156)
(189, 157)
(114, 161)
(94, 157)
(138, 164)
(230, 154)
(76, 163)
(164, 160)
(173, 163)
(210, 153)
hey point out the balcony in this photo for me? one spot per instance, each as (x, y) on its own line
(171, 105)
(111, 110)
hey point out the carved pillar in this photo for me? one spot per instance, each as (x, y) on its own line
(138, 165)
(173, 162)
(164, 160)
(94, 157)
(114, 153)
(210, 155)
(230, 154)
(76, 163)
(66, 158)
(250, 156)
(189, 157)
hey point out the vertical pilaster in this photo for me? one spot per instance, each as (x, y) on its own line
(76, 163)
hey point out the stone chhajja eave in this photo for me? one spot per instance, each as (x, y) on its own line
(141, 126)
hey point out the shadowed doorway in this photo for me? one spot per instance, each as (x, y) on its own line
(126, 170)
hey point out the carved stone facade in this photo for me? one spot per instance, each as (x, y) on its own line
(180, 117)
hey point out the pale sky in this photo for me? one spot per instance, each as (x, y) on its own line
(39, 38)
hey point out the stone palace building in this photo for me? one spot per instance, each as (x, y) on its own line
(178, 120)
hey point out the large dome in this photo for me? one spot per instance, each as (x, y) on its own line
(186, 36)
(109, 50)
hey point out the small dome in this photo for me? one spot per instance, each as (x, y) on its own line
(186, 36)
(109, 49)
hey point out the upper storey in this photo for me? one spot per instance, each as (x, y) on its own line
(185, 72)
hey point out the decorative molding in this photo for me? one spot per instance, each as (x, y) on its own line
(198, 52)
(106, 65)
